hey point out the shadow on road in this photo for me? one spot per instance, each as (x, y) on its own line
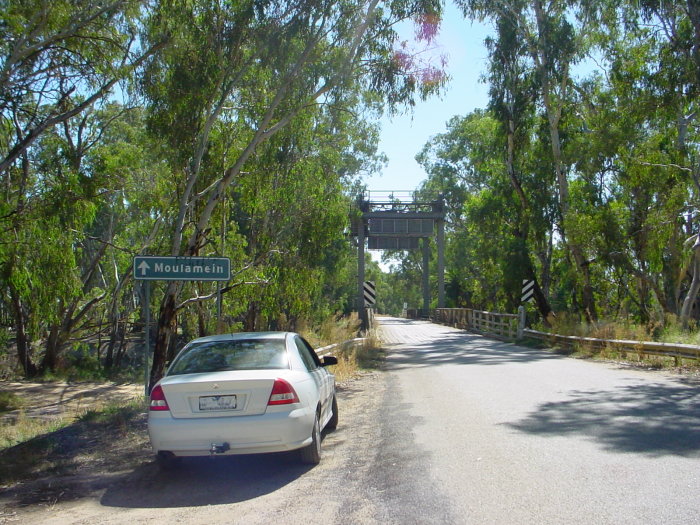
(204, 481)
(462, 348)
(654, 419)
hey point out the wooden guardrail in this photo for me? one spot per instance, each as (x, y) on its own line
(512, 327)
(501, 325)
(342, 347)
(676, 350)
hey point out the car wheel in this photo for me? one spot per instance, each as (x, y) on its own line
(333, 421)
(311, 454)
(167, 460)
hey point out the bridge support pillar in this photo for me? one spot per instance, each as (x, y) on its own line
(441, 262)
(361, 310)
(426, 277)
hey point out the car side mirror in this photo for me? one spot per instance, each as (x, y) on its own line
(329, 360)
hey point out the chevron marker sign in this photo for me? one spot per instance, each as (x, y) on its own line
(528, 290)
(370, 293)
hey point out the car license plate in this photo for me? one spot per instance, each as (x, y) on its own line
(217, 403)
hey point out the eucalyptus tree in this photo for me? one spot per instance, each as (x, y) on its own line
(67, 251)
(293, 210)
(548, 46)
(57, 59)
(642, 122)
(51, 208)
(251, 68)
(678, 40)
(487, 249)
(512, 96)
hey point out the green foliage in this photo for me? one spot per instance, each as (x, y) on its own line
(588, 179)
(255, 128)
(81, 364)
(10, 401)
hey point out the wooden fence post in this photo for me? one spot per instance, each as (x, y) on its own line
(521, 321)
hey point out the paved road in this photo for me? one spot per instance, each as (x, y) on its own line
(457, 429)
(514, 435)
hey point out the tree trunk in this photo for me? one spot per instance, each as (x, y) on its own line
(24, 347)
(164, 332)
(52, 349)
(587, 294)
(694, 287)
(116, 334)
(554, 114)
(540, 298)
(523, 232)
(251, 318)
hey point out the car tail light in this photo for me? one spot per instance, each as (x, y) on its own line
(282, 393)
(158, 401)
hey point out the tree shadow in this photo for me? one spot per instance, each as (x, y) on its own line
(58, 453)
(654, 419)
(462, 348)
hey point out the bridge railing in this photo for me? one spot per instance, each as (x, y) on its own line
(492, 323)
(512, 327)
(345, 346)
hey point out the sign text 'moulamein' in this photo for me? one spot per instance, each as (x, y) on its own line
(187, 268)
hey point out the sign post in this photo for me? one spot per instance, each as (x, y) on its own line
(147, 333)
(155, 268)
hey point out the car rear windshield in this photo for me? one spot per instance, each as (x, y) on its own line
(218, 356)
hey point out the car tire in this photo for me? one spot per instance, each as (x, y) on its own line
(333, 421)
(311, 454)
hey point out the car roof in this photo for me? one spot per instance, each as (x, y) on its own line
(241, 336)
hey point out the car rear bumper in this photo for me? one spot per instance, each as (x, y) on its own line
(269, 432)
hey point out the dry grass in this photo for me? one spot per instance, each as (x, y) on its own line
(10, 401)
(367, 356)
(353, 361)
(24, 428)
(34, 447)
(29, 421)
(666, 330)
(333, 330)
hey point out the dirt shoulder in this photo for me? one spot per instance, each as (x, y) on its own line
(51, 400)
(71, 469)
(88, 453)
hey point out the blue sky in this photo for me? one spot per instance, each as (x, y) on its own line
(404, 136)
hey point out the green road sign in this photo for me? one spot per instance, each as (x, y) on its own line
(154, 268)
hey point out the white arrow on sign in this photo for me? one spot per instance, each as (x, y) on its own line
(144, 267)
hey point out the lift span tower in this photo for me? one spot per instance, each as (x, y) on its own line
(389, 223)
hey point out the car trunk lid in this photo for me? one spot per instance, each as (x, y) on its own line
(220, 394)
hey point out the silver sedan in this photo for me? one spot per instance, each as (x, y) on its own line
(244, 393)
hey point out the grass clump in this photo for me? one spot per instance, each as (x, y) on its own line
(24, 428)
(353, 360)
(10, 401)
(114, 415)
(333, 330)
